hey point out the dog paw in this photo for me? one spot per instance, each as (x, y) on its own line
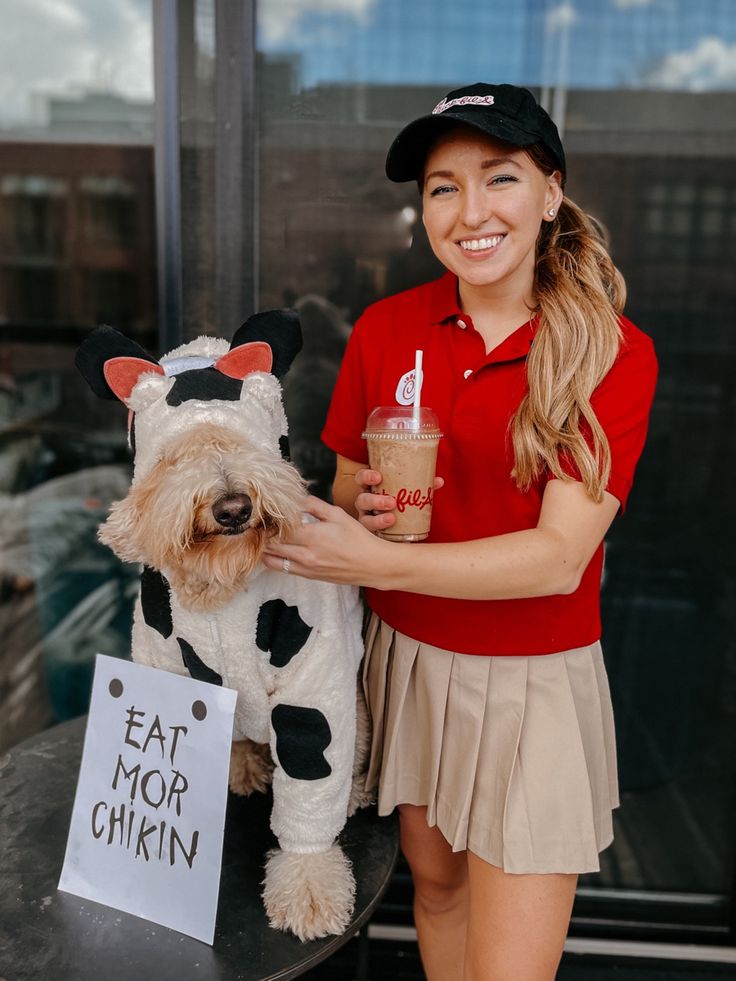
(311, 895)
(251, 767)
(359, 796)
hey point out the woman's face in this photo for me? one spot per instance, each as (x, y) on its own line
(483, 206)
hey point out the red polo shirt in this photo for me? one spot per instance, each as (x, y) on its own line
(475, 395)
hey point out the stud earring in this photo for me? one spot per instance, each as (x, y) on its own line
(551, 212)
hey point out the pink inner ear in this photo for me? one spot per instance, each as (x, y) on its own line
(121, 374)
(242, 360)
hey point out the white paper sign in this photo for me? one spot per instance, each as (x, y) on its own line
(149, 814)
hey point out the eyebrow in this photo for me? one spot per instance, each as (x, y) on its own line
(486, 165)
(499, 160)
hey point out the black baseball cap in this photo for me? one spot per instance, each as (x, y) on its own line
(503, 112)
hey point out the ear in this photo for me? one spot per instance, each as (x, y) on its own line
(554, 194)
(280, 329)
(122, 374)
(101, 345)
(242, 360)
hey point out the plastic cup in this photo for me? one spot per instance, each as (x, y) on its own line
(402, 446)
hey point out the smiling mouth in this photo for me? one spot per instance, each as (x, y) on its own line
(480, 244)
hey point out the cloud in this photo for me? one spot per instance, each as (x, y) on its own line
(709, 66)
(278, 20)
(60, 13)
(54, 46)
(64, 46)
(559, 17)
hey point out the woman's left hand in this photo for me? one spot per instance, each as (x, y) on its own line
(334, 548)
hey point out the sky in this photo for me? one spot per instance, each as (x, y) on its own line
(57, 46)
(680, 44)
(63, 46)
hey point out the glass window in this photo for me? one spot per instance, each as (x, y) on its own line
(644, 94)
(77, 247)
(107, 211)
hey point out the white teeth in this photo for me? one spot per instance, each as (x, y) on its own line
(474, 244)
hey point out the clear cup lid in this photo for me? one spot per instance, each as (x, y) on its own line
(402, 420)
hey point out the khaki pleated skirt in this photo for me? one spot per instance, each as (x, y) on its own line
(514, 757)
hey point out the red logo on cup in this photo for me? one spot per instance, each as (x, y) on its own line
(406, 498)
(407, 389)
(407, 385)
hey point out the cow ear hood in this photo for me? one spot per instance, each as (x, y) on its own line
(280, 329)
(100, 346)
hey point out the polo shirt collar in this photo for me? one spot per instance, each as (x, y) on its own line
(444, 300)
(444, 306)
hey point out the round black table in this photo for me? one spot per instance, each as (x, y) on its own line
(46, 935)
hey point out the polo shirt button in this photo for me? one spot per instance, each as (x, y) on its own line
(468, 373)
(461, 324)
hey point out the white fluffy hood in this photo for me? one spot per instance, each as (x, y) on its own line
(257, 415)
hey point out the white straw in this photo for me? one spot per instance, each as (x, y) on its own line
(417, 388)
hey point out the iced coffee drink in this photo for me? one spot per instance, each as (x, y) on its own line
(402, 446)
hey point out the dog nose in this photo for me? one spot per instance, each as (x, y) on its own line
(232, 510)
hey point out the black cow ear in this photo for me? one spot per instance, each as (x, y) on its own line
(99, 346)
(280, 329)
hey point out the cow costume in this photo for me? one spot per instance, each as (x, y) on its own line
(210, 488)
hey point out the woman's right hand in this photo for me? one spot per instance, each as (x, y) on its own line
(374, 510)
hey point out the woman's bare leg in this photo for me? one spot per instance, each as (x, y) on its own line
(517, 923)
(440, 895)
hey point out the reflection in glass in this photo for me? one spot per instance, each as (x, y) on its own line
(647, 110)
(77, 247)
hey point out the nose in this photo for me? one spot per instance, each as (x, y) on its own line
(476, 208)
(232, 510)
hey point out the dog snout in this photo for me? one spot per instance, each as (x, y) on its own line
(232, 510)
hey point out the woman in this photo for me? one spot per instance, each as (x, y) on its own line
(493, 732)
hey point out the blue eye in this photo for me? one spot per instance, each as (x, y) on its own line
(502, 179)
(442, 189)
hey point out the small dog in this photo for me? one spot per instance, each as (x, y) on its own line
(210, 489)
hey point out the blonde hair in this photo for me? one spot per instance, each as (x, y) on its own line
(579, 294)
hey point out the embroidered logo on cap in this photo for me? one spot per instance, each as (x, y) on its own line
(465, 100)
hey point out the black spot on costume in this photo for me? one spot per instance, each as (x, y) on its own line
(196, 666)
(204, 384)
(302, 736)
(156, 601)
(280, 631)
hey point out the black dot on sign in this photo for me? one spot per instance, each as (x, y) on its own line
(199, 710)
(115, 688)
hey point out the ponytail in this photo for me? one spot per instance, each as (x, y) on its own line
(579, 294)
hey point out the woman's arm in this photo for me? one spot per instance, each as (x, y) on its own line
(541, 561)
